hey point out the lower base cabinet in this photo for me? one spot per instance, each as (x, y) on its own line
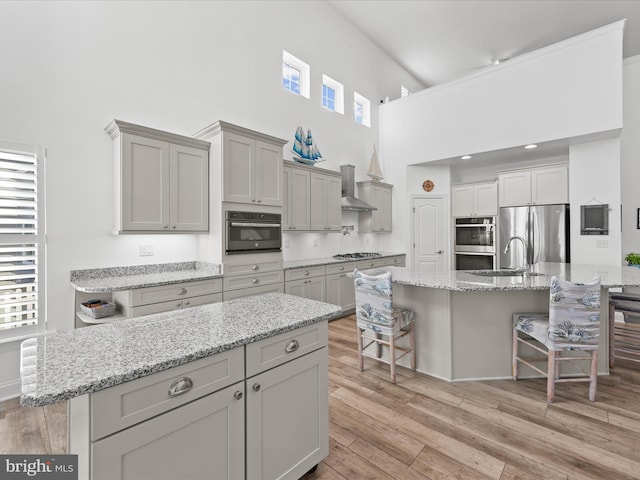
(340, 291)
(190, 442)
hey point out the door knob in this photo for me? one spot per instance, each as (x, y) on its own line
(439, 252)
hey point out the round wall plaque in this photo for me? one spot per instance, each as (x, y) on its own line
(427, 185)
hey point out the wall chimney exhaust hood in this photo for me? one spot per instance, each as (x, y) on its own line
(349, 200)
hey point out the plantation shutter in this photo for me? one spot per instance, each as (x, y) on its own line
(20, 239)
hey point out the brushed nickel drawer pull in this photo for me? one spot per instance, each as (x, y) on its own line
(255, 267)
(292, 346)
(256, 387)
(237, 395)
(182, 291)
(180, 386)
(255, 280)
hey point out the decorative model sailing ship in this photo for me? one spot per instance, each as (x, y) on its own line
(306, 150)
(374, 167)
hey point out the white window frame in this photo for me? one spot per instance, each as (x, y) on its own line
(366, 109)
(38, 239)
(305, 73)
(338, 88)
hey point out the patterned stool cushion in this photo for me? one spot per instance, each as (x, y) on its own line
(374, 304)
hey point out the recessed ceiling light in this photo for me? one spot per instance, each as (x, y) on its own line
(530, 146)
(466, 157)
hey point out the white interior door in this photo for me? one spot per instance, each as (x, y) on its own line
(430, 226)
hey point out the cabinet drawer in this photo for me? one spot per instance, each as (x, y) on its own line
(248, 268)
(246, 281)
(300, 273)
(340, 267)
(274, 351)
(373, 263)
(176, 291)
(247, 292)
(397, 261)
(132, 402)
(201, 300)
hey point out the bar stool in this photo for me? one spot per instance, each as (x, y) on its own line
(624, 339)
(376, 314)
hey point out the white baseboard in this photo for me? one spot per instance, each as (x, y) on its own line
(9, 390)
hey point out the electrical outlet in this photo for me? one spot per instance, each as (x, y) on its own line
(602, 243)
(286, 243)
(145, 250)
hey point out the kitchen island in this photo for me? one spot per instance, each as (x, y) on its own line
(175, 395)
(464, 320)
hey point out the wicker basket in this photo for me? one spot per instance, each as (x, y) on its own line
(98, 308)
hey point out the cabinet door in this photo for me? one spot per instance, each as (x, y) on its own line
(189, 174)
(315, 289)
(340, 291)
(286, 198)
(462, 201)
(334, 203)
(549, 185)
(485, 196)
(187, 442)
(287, 416)
(299, 205)
(238, 159)
(295, 287)
(318, 202)
(145, 184)
(515, 188)
(268, 174)
(384, 209)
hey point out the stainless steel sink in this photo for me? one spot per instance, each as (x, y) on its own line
(504, 273)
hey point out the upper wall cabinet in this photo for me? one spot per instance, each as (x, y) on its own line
(478, 199)
(312, 199)
(377, 194)
(161, 180)
(250, 163)
(536, 186)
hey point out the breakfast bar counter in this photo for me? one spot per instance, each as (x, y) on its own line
(464, 319)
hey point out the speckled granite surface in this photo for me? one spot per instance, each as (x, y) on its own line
(463, 280)
(67, 364)
(124, 278)
(314, 262)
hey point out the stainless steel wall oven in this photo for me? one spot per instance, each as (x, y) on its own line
(253, 232)
(475, 243)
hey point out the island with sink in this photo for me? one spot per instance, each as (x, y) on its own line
(464, 317)
(240, 387)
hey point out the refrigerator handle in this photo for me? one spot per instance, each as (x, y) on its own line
(534, 233)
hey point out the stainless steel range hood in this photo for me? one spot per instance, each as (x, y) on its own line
(349, 200)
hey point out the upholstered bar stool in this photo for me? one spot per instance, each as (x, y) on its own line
(624, 339)
(381, 322)
(573, 324)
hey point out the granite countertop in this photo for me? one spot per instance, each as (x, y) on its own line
(316, 262)
(67, 364)
(125, 278)
(464, 281)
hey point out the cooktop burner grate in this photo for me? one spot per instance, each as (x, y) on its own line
(356, 255)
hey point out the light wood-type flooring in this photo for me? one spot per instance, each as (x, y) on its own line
(424, 428)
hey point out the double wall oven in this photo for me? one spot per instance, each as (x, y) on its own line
(475, 243)
(253, 232)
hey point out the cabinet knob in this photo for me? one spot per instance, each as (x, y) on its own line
(341, 268)
(255, 267)
(182, 291)
(306, 272)
(292, 346)
(165, 226)
(187, 303)
(178, 304)
(256, 387)
(180, 386)
(237, 395)
(173, 226)
(259, 201)
(253, 200)
(255, 280)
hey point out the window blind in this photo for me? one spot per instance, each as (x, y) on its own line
(19, 239)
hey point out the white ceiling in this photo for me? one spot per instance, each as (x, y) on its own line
(440, 40)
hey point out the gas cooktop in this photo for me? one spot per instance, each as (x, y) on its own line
(356, 255)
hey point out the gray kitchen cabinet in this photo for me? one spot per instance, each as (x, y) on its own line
(537, 186)
(248, 162)
(287, 411)
(296, 208)
(339, 287)
(377, 194)
(161, 180)
(396, 261)
(478, 199)
(246, 279)
(371, 263)
(313, 199)
(306, 282)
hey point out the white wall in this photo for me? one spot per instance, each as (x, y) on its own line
(69, 68)
(630, 155)
(595, 178)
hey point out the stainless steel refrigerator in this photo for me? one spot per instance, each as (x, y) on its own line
(543, 228)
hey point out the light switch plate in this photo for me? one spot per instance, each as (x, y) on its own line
(602, 243)
(145, 250)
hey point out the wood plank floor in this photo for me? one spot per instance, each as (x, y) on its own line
(423, 428)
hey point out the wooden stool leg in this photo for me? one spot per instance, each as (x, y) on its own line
(593, 377)
(378, 346)
(514, 358)
(612, 322)
(360, 355)
(551, 375)
(392, 357)
(412, 343)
